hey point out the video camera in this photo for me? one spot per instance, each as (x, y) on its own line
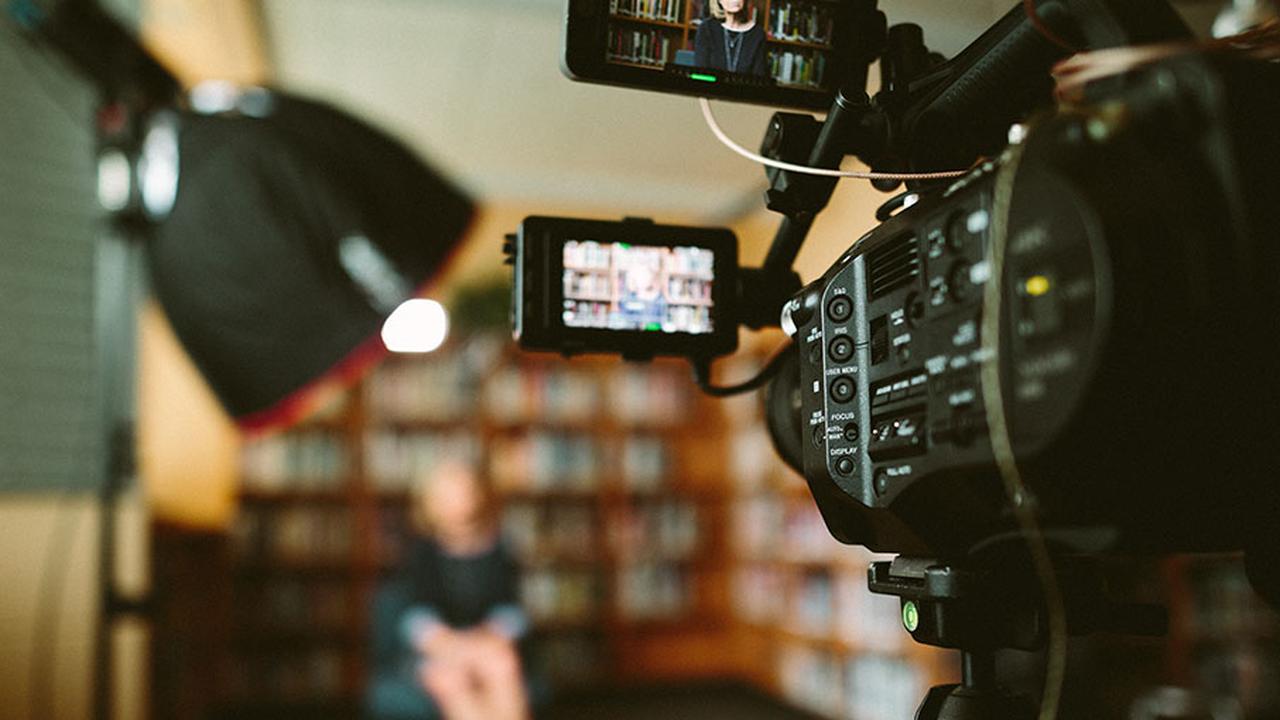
(1079, 333)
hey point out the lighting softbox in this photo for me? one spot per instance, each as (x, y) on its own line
(294, 232)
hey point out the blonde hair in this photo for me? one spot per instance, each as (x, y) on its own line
(717, 10)
(428, 482)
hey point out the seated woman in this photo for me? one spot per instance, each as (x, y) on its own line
(448, 626)
(730, 39)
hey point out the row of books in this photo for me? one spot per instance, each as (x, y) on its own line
(545, 461)
(1224, 605)
(549, 395)
(540, 533)
(642, 591)
(580, 285)
(557, 595)
(293, 535)
(670, 530)
(653, 591)
(553, 461)
(541, 461)
(587, 285)
(588, 255)
(1235, 649)
(441, 389)
(797, 67)
(650, 396)
(292, 604)
(571, 658)
(801, 22)
(300, 460)
(304, 675)
(753, 464)
(692, 291)
(641, 46)
(819, 604)
(679, 314)
(395, 461)
(866, 687)
(671, 11)
(773, 526)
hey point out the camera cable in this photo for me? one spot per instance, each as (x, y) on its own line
(728, 142)
(702, 375)
(1033, 16)
(1020, 500)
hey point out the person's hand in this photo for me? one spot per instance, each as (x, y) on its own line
(438, 641)
(486, 645)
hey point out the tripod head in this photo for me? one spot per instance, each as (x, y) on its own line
(981, 608)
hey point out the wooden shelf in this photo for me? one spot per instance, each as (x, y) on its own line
(648, 21)
(576, 625)
(292, 496)
(562, 561)
(550, 496)
(423, 424)
(801, 44)
(271, 639)
(801, 86)
(690, 621)
(318, 568)
(627, 63)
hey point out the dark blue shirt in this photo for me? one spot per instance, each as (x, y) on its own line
(709, 47)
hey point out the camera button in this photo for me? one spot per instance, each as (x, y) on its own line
(819, 435)
(843, 389)
(840, 308)
(881, 481)
(841, 348)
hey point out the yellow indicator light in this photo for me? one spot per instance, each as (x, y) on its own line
(1037, 285)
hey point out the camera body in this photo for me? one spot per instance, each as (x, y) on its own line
(1136, 350)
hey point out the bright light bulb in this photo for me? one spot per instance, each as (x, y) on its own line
(417, 326)
(115, 180)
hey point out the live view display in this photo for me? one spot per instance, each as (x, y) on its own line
(620, 286)
(782, 43)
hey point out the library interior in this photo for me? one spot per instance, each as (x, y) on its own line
(229, 490)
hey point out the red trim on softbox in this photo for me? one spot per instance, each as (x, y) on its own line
(296, 406)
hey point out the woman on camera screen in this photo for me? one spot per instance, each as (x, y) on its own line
(730, 39)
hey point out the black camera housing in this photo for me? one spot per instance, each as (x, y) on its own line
(537, 251)
(1137, 335)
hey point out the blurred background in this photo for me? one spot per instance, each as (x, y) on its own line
(664, 551)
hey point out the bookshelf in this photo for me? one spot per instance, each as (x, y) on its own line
(798, 35)
(819, 638)
(613, 502)
(1224, 638)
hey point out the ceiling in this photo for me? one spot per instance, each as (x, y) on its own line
(475, 86)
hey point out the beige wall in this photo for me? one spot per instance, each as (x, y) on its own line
(49, 608)
(850, 214)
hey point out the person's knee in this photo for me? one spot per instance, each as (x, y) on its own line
(504, 662)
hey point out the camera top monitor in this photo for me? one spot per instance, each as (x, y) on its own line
(793, 53)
